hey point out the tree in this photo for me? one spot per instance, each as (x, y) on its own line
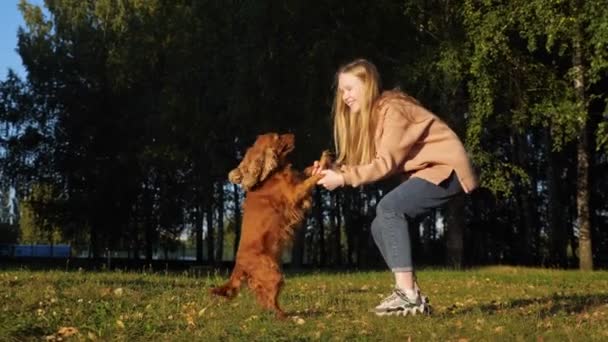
(37, 212)
(561, 102)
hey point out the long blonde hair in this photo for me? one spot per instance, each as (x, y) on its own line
(354, 134)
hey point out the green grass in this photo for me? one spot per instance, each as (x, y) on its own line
(486, 304)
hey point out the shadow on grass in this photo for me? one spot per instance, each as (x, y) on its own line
(542, 306)
(28, 332)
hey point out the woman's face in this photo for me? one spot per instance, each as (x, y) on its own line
(351, 88)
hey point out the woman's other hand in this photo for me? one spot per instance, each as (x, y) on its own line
(331, 179)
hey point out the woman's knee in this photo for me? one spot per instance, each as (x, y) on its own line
(376, 227)
(384, 206)
(387, 206)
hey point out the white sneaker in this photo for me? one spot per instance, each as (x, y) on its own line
(400, 304)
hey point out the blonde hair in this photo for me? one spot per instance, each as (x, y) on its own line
(354, 134)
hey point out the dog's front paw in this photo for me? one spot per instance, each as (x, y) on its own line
(327, 160)
(235, 176)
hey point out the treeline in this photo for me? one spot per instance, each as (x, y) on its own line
(133, 112)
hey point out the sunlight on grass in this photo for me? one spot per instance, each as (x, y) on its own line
(493, 303)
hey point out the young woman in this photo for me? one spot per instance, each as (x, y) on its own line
(391, 134)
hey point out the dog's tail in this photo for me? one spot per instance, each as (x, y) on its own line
(232, 286)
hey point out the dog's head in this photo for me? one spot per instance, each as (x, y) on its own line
(268, 153)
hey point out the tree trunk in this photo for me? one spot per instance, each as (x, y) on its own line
(527, 243)
(429, 233)
(198, 224)
(455, 232)
(348, 224)
(297, 252)
(94, 242)
(336, 222)
(416, 240)
(448, 101)
(219, 255)
(149, 238)
(582, 206)
(318, 214)
(557, 227)
(582, 151)
(237, 218)
(149, 231)
(210, 234)
(132, 237)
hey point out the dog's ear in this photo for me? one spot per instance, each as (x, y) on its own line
(254, 168)
(284, 144)
(259, 161)
(269, 163)
(266, 158)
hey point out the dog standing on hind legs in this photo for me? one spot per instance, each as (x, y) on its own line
(277, 199)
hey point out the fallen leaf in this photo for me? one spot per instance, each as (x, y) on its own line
(298, 320)
(67, 331)
(62, 333)
(190, 321)
(104, 291)
(251, 318)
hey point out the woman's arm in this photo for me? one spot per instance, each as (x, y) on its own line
(403, 126)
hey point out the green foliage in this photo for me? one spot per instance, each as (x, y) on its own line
(544, 92)
(499, 176)
(602, 136)
(564, 118)
(36, 213)
(597, 31)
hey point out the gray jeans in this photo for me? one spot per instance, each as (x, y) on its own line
(395, 211)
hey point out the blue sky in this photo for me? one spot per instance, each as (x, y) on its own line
(11, 19)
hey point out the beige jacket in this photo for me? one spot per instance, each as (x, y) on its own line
(412, 140)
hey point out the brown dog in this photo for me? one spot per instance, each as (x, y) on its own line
(277, 198)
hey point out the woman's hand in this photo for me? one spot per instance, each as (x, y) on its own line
(331, 179)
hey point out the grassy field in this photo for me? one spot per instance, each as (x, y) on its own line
(486, 304)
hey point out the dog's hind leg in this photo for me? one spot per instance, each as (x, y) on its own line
(275, 286)
(266, 281)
